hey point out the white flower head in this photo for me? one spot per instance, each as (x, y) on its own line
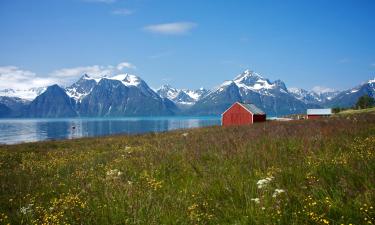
(256, 200)
(277, 192)
(263, 182)
(115, 173)
(26, 209)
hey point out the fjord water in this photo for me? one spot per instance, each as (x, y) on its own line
(14, 131)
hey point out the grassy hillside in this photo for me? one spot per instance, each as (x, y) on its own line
(355, 111)
(299, 172)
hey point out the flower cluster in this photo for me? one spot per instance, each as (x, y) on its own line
(153, 183)
(263, 182)
(368, 213)
(364, 148)
(59, 208)
(113, 174)
(316, 210)
(3, 218)
(27, 209)
(200, 213)
(277, 192)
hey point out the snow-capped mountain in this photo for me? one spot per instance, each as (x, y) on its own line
(249, 86)
(129, 95)
(167, 91)
(15, 106)
(252, 81)
(120, 95)
(123, 95)
(349, 97)
(52, 103)
(81, 88)
(313, 97)
(27, 94)
(196, 94)
(181, 96)
(85, 85)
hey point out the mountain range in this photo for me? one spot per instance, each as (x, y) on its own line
(129, 95)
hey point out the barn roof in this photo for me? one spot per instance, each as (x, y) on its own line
(252, 108)
(319, 112)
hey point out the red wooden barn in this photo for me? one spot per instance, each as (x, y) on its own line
(318, 113)
(241, 114)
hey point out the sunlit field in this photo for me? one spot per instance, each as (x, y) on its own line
(299, 172)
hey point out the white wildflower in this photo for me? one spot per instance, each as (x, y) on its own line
(115, 173)
(277, 192)
(26, 209)
(263, 182)
(256, 200)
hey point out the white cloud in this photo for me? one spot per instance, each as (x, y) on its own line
(16, 78)
(177, 28)
(94, 71)
(124, 65)
(122, 12)
(320, 89)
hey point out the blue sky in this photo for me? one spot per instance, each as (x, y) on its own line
(188, 44)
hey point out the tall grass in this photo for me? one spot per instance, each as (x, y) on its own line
(300, 172)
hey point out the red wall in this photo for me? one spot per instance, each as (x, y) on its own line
(315, 116)
(237, 115)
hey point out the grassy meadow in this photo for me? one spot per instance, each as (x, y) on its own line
(298, 172)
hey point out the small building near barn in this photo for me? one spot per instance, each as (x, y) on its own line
(318, 113)
(242, 114)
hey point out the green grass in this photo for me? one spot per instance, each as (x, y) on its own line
(325, 167)
(356, 111)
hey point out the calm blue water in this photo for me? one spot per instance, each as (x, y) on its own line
(29, 130)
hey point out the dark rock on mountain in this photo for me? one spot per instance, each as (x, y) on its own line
(250, 87)
(218, 101)
(350, 97)
(5, 111)
(124, 96)
(52, 103)
(15, 104)
(81, 88)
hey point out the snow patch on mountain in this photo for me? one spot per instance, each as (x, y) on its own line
(181, 96)
(193, 94)
(27, 94)
(250, 81)
(318, 95)
(85, 84)
(322, 90)
(127, 79)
